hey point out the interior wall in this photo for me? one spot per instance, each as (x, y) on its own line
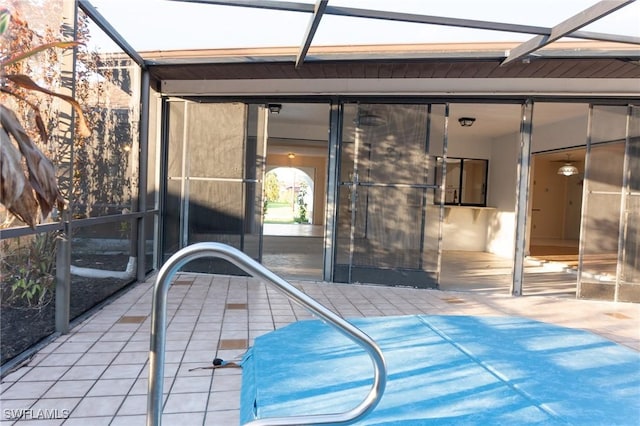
(465, 228)
(469, 147)
(501, 195)
(493, 136)
(570, 132)
(299, 130)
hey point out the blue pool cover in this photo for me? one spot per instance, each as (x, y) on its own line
(446, 370)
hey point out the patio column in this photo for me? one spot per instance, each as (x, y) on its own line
(332, 191)
(143, 170)
(522, 197)
(66, 131)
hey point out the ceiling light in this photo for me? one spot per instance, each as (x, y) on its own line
(568, 170)
(367, 119)
(466, 121)
(291, 155)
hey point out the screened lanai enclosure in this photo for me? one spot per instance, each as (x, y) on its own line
(415, 144)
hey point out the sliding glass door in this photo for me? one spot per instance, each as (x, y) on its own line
(609, 264)
(215, 164)
(388, 219)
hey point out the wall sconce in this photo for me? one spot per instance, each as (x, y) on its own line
(466, 121)
(275, 108)
(291, 155)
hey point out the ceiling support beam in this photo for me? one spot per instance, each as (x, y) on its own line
(566, 27)
(318, 11)
(472, 23)
(105, 26)
(258, 4)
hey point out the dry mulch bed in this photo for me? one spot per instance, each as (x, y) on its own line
(22, 326)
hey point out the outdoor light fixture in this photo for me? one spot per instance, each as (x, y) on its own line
(275, 108)
(291, 155)
(568, 170)
(466, 121)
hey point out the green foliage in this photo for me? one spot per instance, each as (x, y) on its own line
(302, 204)
(28, 270)
(5, 18)
(125, 229)
(32, 292)
(271, 187)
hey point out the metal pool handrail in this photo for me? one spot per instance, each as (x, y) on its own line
(247, 264)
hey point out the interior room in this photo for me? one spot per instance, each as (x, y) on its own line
(479, 213)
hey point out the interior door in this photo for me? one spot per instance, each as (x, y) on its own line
(388, 221)
(215, 166)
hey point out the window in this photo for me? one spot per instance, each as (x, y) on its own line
(466, 181)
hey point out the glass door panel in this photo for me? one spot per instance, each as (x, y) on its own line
(171, 229)
(351, 204)
(214, 189)
(433, 214)
(630, 256)
(216, 212)
(255, 155)
(604, 179)
(386, 181)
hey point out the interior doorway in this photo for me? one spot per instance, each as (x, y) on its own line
(295, 190)
(556, 204)
(555, 213)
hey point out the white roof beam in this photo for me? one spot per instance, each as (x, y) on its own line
(318, 11)
(258, 4)
(103, 24)
(566, 27)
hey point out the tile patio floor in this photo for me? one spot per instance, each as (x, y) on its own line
(97, 374)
